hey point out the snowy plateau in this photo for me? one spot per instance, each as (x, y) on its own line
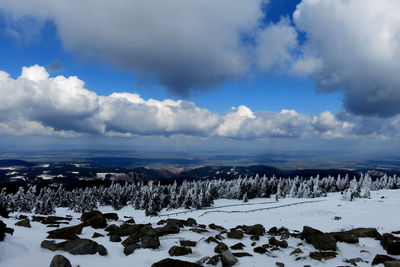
(327, 214)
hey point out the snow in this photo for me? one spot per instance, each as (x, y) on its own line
(23, 248)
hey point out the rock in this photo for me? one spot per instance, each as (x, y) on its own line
(345, 237)
(236, 234)
(3, 211)
(279, 264)
(179, 251)
(69, 233)
(115, 238)
(181, 223)
(227, 258)
(190, 222)
(391, 244)
(187, 243)
(111, 216)
(219, 237)
(274, 242)
(169, 228)
(127, 229)
(216, 227)
(337, 218)
(51, 219)
(318, 239)
(198, 230)
(53, 225)
(381, 259)
(60, 261)
(22, 217)
(220, 247)
(149, 238)
(213, 260)
(253, 244)
(365, 232)
(296, 251)
(131, 221)
(76, 247)
(23, 223)
(242, 254)
(238, 246)
(354, 261)
(128, 250)
(111, 227)
(392, 263)
(131, 240)
(255, 237)
(4, 229)
(96, 235)
(94, 218)
(322, 255)
(260, 250)
(256, 229)
(212, 239)
(279, 232)
(203, 226)
(174, 263)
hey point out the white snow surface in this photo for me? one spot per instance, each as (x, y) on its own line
(23, 248)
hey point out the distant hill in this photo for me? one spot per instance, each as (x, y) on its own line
(15, 162)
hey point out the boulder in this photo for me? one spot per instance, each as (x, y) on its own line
(3, 211)
(279, 232)
(76, 247)
(345, 237)
(212, 239)
(354, 261)
(174, 263)
(220, 247)
(322, 255)
(275, 242)
(128, 250)
(260, 250)
(395, 263)
(179, 251)
(130, 221)
(126, 229)
(279, 264)
(115, 238)
(169, 228)
(111, 216)
(69, 233)
(381, 259)
(235, 234)
(391, 244)
(242, 254)
(213, 260)
(94, 219)
(198, 230)
(96, 235)
(131, 240)
(227, 258)
(187, 243)
(318, 239)
(23, 223)
(365, 232)
(219, 237)
(60, 261)
(150, 241)
(213, 226)
(4, 229)
(296, 251)
(190, 222)
(181, 223)
(238, 246)
(257, 230)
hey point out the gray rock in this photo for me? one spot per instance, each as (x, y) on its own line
(69, 233)
(76, 247)
(128, 250)
(60, 261)
(115, 238)
(236, 234)
(23, 223)
(228, 259)
(318, 239)
(391, 244)
(94, 219)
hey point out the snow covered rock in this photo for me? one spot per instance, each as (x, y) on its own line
(318, 239)
(60, 261)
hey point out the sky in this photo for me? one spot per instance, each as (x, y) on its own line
(225, 75)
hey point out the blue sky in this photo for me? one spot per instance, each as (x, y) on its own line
(260, 72)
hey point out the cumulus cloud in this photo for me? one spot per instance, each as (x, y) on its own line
(358, 45)
(36, 103)
(185, 44)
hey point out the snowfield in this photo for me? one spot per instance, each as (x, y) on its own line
(382, 211)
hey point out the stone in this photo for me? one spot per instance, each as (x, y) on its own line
(94, 219)
(169, 228)
(260, 250)
(235, 234)
(213, 226)
(345, 237)
(179, 251)
(256, 229)
(76, 247)
(213, 260)
(395, 263)
(149, 241)
(353, 261)
(128, 250)
(237, 246)
(190, 222)
(322, 255)
(127, 229)
(365, 232)
(4, 229)
(60, 261)
(96, 235)
(220, 247)
(255, 237)
(131, 240)
(391, 244)
(198, 230)
(211, 239)
(275, 242)
(111, 227)
(187, 243)
(115, 238)
(131, 221)
(242, 254)
(174, 263)
(227, 258)
(112, 216)
(296, 251)
(3, 211)
(381, 259)
(318, 239)
(219, 237)
(69, 233)
(279, 264)
(23, 223)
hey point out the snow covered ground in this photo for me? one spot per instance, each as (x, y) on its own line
(381, 211)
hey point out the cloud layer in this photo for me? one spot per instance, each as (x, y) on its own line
(36, 103)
